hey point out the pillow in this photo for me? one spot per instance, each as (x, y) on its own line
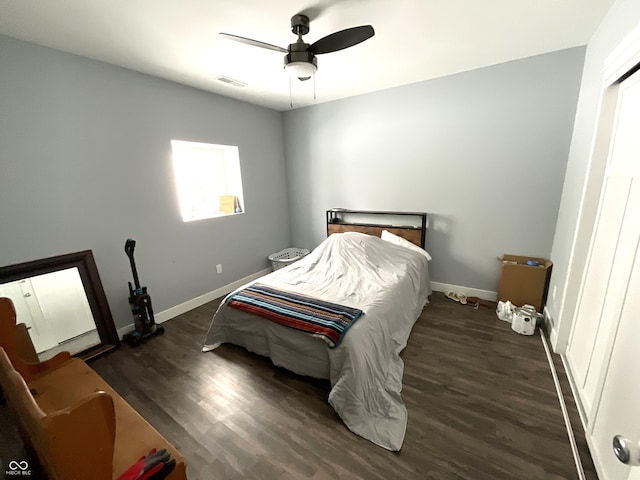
(396, 240)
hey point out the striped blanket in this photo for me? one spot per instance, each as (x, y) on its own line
(326, 320)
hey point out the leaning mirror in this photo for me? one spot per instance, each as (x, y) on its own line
(62, 302)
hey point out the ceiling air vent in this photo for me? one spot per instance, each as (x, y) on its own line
(231, 81)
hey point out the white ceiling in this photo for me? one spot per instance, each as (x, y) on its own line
(415, 39)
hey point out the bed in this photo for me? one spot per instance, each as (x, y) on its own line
(389, 282)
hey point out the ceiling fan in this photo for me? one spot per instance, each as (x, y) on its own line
(300, 59)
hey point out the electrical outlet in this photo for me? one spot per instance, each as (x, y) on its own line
(219, 268)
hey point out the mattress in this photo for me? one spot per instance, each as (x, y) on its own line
(390, 284)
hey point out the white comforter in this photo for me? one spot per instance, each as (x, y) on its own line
(390, 284)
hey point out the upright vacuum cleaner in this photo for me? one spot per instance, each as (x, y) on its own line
(140, 302)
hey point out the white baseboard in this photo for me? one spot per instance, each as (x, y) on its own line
(469, 292)
(551, 329)
(575, 393)
(563, 408)
(173, 312)
(124, 330)
(548, 318)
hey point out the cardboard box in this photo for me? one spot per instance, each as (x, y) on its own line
(524, 284)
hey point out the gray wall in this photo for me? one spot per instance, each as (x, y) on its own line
(584, 176)
(484, 152)
(85, 163)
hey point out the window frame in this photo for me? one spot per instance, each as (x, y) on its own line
(192, 181)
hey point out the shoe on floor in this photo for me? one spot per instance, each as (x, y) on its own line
(453, 296)
(473, 302)
(462, 298)
(477, 303)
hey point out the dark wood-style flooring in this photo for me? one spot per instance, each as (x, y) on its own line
(481, 402)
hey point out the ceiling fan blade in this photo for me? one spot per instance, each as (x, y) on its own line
(342, 39)
(255, 43)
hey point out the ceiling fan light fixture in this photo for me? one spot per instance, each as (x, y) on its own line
(300, 59)
(301, 70)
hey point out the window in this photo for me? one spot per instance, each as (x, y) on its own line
(208, 179)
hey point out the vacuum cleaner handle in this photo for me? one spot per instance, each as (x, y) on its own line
(129, 246)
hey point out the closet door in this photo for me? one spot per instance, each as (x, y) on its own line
(612, 250)
(602, 351)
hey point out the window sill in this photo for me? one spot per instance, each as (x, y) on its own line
(217, 215)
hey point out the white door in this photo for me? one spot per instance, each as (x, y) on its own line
(603, 350)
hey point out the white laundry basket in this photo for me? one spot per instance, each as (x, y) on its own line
(287, 257)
